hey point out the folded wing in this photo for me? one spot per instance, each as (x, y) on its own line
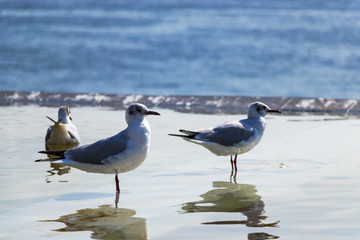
(95, 153)
(228, 134)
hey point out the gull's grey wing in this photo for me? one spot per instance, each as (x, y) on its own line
(227, 134)
(73, 132)
(47, 137)
(71, 135)
(98, 151)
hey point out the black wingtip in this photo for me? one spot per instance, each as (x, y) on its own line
(55, 153)
(177, 135)
(189, 133)
(42, 160)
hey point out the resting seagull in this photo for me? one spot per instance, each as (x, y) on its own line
(232, 138)
(120, 153)
(63, 134)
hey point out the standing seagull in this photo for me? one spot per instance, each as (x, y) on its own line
(63, 134)
(232, 138)
(120, 153)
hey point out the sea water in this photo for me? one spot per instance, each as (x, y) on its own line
(257, 48)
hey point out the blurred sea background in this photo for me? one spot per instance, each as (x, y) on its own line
(303, 48)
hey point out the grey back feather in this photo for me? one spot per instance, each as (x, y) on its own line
(98, 151)
(228, 134)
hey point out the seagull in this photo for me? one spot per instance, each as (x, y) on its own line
(63, 134)
(120, 153)
(232, 138)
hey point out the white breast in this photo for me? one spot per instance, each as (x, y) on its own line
(138, 147)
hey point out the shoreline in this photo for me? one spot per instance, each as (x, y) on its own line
(186, 104)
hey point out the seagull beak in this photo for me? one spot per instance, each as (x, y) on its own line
(152, 113)
(274, 111)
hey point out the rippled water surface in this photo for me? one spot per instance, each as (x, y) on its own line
(257, 48)
(300, 182)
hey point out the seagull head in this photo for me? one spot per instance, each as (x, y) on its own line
(259, 109)
(64, 114)
(138, 111)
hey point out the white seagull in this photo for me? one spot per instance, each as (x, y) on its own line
(232, 138)
(63, 134)
(120, 153)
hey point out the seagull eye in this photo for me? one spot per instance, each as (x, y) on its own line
(258, 109)
(264, 107)
(138, 109)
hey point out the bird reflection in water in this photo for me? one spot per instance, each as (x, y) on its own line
(105, 222)
(228, 197)
(57, 168)
(233, 176)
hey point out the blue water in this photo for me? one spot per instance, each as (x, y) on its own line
(306, 48)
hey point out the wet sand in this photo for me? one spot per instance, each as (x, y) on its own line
(300, 182)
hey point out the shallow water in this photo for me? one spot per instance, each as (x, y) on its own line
(300, 182)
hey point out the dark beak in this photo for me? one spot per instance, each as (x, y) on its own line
(152, 113)
(274, 111)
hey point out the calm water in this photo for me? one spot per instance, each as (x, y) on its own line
(267, 48)
(301, 182)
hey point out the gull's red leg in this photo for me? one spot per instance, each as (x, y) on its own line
(117, 189)
(235, 163)
(117, 183)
